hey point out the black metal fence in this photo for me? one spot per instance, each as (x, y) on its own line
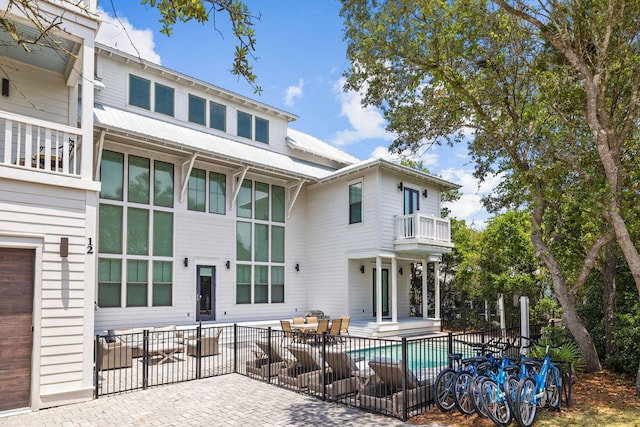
(391, 377)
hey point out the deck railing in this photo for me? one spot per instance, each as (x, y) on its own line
(421, 226)
(36, 144)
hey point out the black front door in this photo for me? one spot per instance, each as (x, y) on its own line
(206, 293)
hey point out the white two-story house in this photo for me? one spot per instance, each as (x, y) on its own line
(135, 195)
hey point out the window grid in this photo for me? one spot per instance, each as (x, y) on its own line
(197, 110)
(164, 99)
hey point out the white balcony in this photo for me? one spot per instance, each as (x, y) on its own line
(422, 233)
(39, 145)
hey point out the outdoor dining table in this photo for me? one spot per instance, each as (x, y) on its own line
(305, 327)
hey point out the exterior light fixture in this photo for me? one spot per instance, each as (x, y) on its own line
(64, 247)
(400, 186)
(297, 267)
(424, 193)
(228, 264)
(186, 262)
(400, 271)
(362, 269)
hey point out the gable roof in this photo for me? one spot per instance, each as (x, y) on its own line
(312, 145)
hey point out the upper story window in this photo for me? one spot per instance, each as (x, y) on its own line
(262, 130)
(355, 203)
(217, 184)
(197, 110)
(217, 116)
(411, 201)
(139, 92)
(245, 124)
(164, 99)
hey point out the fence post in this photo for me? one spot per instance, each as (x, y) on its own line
(482, 335)
(450, 348)
(268, 355)
(145, 359)
(404, 379)
(235, 348)
(98, 359)
(199, 351)
(324, 364)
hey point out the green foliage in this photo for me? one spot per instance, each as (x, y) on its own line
(567, 352)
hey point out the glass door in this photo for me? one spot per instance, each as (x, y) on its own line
(385, 293)
(205, 293)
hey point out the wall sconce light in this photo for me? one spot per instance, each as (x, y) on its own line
(362, 269)
(400, 186)
(227, 264)
(186, 262)
(297, 267)
(400, 271)
(64, 247)
(5, 87)
(424, 193)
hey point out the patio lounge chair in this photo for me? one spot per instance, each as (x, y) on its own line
(344, 329)
(387, 395)
(114, 355)
(308, 364)
(342, 378)
(261, 367)
(209, 345)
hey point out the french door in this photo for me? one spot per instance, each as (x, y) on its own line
(385, 293)
(206, 293)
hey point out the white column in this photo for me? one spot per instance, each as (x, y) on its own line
(394, 289)
(503, 326)
(86, 166)
(425, 291)
(436, 284)
(524, 322)
(378, 290)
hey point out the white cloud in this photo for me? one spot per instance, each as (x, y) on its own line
(292, 93)
(120, 34)
(366, 123)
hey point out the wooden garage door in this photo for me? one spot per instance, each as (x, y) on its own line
(16, 308)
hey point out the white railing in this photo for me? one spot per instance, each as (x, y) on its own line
(39, 145)
(419, 226)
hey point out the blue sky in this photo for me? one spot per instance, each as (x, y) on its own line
(301, 57)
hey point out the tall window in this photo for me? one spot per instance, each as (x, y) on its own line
(355, 203)
(217, 193)
(260, 243)
(197, 190)
(197, 110)
(244, 125)
(262, 130)
(411, 201)
(217, 116)
(139, 92)
(135, 232)
(164, 99)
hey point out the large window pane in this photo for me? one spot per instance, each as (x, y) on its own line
(137, 231)
(110, 232)
(244, 124)
(262, 284)
(355, 203)
(164, 99)
(217, 116)
(262, 130)
(277, 203)
(162, 283)
(163, 184)
(139, 92)
(138, 179)
(217, 193)
(137, 280)
(277, 284)
(112, 175)
(109, 282)
(162, 233)
(197, 190)
(277, 244)
(197, 107)
(244, 199)
(243, 241)
(262, 243)
(262, 201)
(243, 284)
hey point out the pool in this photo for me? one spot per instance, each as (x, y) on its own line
(420, 354)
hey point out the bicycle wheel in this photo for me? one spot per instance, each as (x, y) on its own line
(443, 390)
(476, 391)
(494, 402)
(510, 389)
(553, 390)
(462, 395)
(526, 407)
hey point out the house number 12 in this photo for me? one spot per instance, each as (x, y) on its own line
(90, 247)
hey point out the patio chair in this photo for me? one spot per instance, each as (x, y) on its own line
(208, 343)
(334, 331)
(323, 326)
(387, 396)
(298, 320)
(114, 355)
(268, 351)
(312, 319)
(342, 379)
(308, 364)
(344, 329)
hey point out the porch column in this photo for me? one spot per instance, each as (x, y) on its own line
(425, 291)
(394, 289)
(378, 290)
(436, 283)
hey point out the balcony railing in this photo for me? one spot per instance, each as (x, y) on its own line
(419, 226)
(39, 145)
